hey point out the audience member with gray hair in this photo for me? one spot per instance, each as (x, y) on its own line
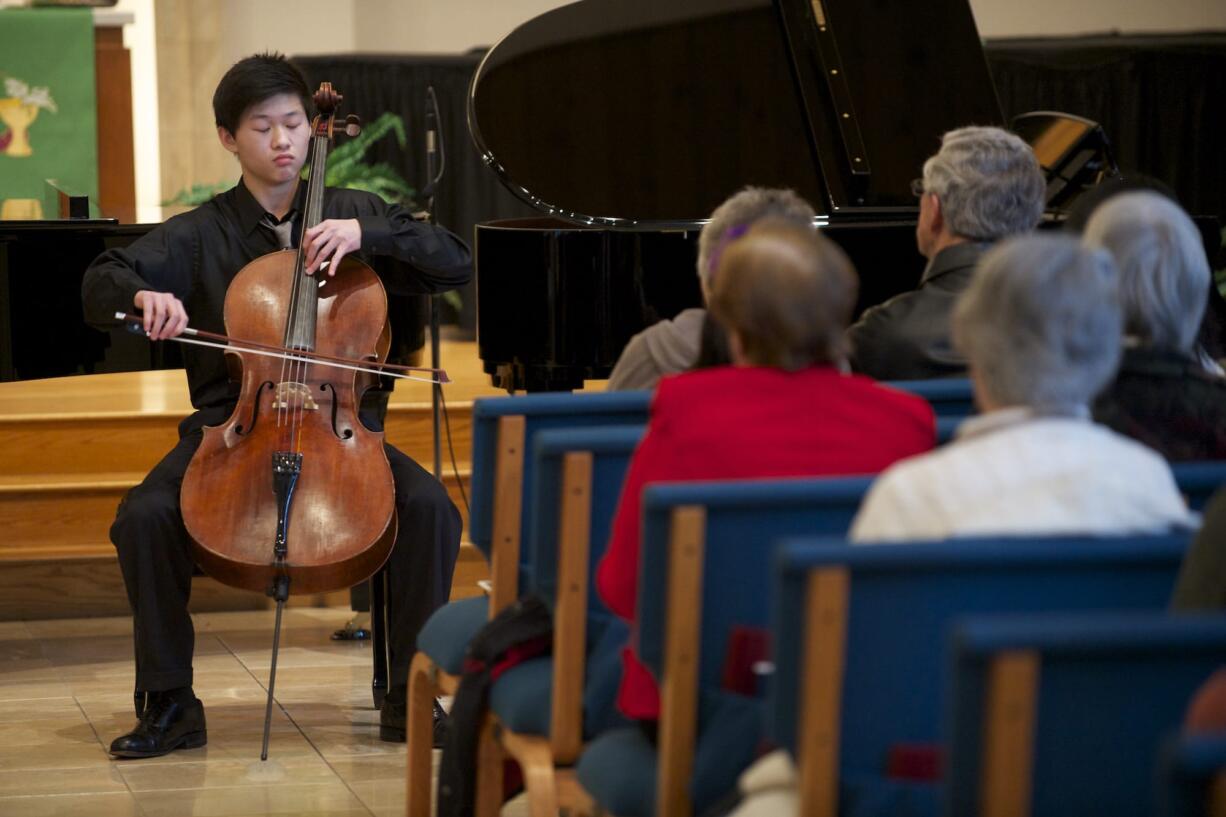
(983, 185)
(1040, 326)
(672, 346)
(1162, 396)
(1164, 274)
(1211, 337)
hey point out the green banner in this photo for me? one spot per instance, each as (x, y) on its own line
(48, 112)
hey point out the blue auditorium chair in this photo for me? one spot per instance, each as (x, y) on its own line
(860, 666)
(948, 396)
(704, 570)
(1198, 481)
(502, 478)
(1064, 715)
(539, 411)
(537, 709)
(1192, 776)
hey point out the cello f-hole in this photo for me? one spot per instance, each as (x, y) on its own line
(346, 433)
(242, 430)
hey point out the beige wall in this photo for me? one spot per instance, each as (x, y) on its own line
(457, 25)
(440, 26)
(288, 26)
(197, 40)
(188, 45)
(1011, 18)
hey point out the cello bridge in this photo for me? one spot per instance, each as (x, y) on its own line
(294, 396)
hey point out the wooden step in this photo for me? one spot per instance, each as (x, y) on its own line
(87, 444)
(53, 516)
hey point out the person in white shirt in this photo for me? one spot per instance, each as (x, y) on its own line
(1040, 326)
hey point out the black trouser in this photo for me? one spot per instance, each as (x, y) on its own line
(156, 559)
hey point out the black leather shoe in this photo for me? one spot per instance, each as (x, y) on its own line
(165, 725)
(393, 716)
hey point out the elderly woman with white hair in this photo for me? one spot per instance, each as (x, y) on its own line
(1041, 329)
(1163, 395)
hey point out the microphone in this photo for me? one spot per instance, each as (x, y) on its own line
(435, 160)
(431, 155)
(434, 144)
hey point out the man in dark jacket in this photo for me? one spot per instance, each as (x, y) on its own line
(983, 185)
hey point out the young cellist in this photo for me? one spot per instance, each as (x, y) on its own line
(180, 271)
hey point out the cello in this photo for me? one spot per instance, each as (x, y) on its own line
(292, 494)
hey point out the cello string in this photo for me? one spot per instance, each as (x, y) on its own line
(305, 306)
(288, 375)
(310, 303)
(293, 333)
(304, 303)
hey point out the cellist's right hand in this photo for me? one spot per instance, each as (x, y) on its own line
(164, 315)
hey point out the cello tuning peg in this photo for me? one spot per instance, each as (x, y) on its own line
(353, 125)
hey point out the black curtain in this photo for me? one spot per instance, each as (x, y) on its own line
(1160, 99)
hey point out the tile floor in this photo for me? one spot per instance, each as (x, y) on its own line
(66, 692)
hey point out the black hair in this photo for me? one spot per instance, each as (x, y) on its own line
(252, 80)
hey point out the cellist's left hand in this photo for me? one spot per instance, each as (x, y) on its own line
(331, 240)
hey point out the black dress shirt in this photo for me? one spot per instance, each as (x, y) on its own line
(195, 255)
(908, 336)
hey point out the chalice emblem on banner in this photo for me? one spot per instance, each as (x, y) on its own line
(19, 107)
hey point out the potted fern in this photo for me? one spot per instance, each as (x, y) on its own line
(345, 168)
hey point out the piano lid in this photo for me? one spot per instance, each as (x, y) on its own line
(641, 113)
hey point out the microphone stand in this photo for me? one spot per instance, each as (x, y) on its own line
(434, 174)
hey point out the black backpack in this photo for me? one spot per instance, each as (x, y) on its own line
(522, 631)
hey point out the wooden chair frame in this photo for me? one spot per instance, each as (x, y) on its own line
(678, 724)
(679, 680)
(825, 658)
(1009, 722)
(1010, 710)
(826, 628)
(547, 785)
(426, 679)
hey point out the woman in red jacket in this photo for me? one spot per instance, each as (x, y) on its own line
(785, 408)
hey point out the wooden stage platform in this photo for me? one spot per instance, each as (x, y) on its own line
(71, 447)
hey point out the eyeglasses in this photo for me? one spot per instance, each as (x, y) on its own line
(917, 188)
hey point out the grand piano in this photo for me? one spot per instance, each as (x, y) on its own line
(624, 123)
(42, 327)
